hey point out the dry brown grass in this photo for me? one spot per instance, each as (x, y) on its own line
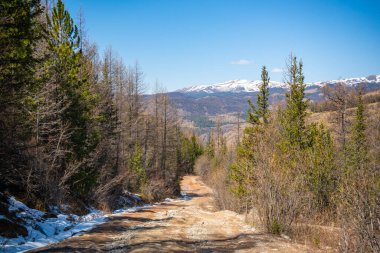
(216, 176)
(328, 118)
(321, 237)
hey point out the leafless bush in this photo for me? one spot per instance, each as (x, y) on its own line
(157, 189)
(360, 213)
(202, 167)
(278, 191)
(216, 175)
(279, 201)
(225, 199)
(107, 193)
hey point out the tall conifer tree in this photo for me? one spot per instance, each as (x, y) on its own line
(261, 112)
(63, 71)
(358, 144)
(296, 105)
(20, 32)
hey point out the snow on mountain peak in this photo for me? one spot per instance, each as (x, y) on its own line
(352, 81)
(237, 86)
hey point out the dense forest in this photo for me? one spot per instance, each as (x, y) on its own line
(290, 175)
(75, 129)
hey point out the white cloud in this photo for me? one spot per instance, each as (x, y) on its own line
(241, 62)
(277, 70)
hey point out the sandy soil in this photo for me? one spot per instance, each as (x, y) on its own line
(185, 225)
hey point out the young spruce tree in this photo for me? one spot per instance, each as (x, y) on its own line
(296, 105)
(261, 112)
(243, 171)
(357, 149)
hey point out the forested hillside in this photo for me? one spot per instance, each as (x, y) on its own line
(74, 128)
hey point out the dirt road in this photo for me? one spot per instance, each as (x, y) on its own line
(187, 225)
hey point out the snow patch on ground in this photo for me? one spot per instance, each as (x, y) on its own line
(184, 196)
(44, 231)
(131, 209)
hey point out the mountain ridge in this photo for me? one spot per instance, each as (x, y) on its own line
(243, 85)
(229, 97)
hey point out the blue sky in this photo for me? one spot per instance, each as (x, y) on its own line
(188, 42)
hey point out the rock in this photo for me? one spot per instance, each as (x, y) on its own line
(285, 237)
(70, 218)
(39, 228)
(49, 215)
(4, 205)
(10, 229)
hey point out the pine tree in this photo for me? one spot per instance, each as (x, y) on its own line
(242, 171)
(296, 105)
(63, 64)
(358, 149)
(20, 32)
(262, 110)
(263, 96)
(188, 151)
(322, 174)
(196, 149)
(359, 205)
(136, 165)
(63, 71)
(210, 146)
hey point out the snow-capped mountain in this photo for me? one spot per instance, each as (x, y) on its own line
(231, 97)
(238, 86)
(234, 86)
(372, 79)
